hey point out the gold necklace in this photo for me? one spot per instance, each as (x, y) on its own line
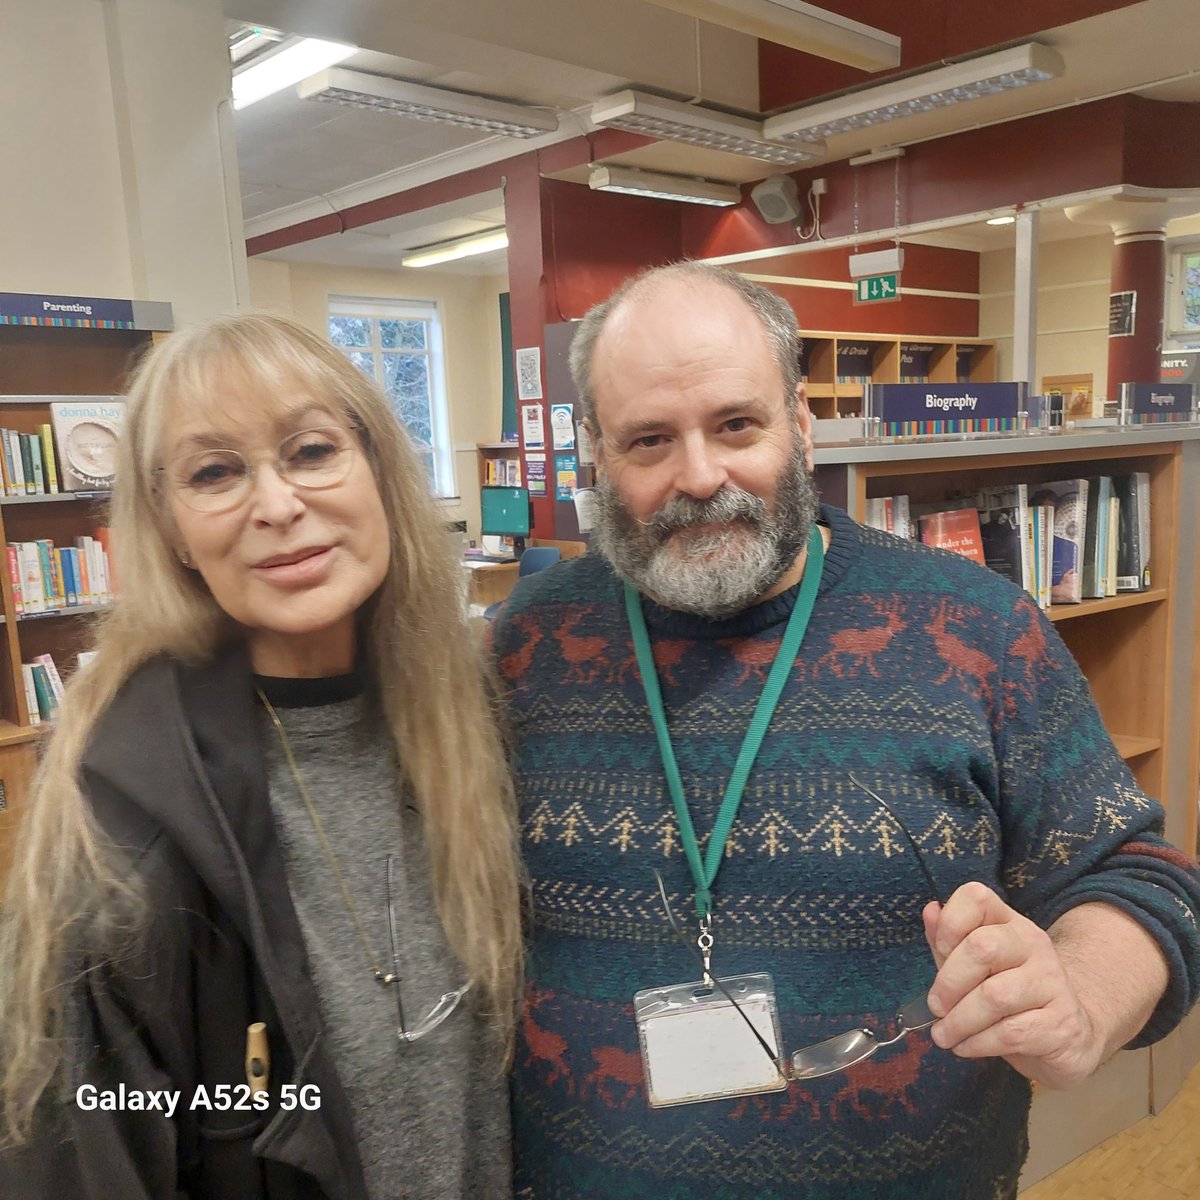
(380, 976)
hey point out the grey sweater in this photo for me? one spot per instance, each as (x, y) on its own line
(431, 1117)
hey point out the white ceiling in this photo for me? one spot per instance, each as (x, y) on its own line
(299, 159)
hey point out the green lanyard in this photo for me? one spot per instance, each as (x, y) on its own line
(705, 872)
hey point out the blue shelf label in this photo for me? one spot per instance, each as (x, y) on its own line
(70, 312)
(1151, 403)
(917, 409)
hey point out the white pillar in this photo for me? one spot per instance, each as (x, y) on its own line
(118, 162)
(1025, 289)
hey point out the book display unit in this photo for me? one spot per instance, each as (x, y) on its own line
(499, 464)
(40, 366)
(1139, 652)
(835, 366)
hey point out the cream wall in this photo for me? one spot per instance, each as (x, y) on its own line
(1073, 287)
(117, 139)
(470, 314)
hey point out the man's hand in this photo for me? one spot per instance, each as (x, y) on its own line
(1053, 1005)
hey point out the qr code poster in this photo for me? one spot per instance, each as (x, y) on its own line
(529, 373)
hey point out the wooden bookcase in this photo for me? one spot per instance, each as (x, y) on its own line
(495, 456)
(42, 363)
(834, 382)
(1140, 655)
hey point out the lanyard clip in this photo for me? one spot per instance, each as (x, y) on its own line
(705, 944)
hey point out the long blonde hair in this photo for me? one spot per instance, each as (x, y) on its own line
(71, 887)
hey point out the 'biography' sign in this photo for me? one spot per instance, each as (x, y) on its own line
(917, 409)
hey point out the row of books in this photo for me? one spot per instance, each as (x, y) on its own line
(1064, 542)
(74, 452)
(502, 472)
(44, 686)
(46, 577)
(28, 462)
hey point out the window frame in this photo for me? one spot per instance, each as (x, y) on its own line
(1176, 330)
(376, 309)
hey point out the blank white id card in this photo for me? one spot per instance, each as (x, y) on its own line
(697, 1046)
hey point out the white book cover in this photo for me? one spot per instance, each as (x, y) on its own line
(85, 435)
(31, 704)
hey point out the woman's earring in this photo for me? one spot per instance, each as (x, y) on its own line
(184, 557)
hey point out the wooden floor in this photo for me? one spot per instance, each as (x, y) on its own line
(1156, 1159)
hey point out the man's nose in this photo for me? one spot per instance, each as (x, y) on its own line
(701, 469)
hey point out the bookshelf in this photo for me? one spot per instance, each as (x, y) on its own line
(836, 365)
(39, 364)
(1140, 654)
(499, 463)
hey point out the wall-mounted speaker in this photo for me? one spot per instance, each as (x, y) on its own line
(777, 199)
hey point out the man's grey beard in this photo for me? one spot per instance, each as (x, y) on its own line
(718, 573)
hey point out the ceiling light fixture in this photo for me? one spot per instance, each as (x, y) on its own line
(296, 59)
(247, 41)
(633, 182)
(874, 156)
(466, 247)
(638, 112)
(423, 103)
(1002, 220)
(801, 26)
(988, 75)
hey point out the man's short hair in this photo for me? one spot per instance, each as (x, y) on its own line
(775, 314)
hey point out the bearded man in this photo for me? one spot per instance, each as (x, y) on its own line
(830, 853)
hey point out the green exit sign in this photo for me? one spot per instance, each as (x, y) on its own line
(874, 288)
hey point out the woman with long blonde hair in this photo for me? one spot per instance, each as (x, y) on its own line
(262, 937)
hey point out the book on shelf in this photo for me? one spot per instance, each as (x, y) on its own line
(49, 458)
(45, 576)
(890, 514)
(46, 662)
(85, 434)
(1133, 531)
(1003, 521)
(1095, 538)
(46, 702)
(956, 530)
(1067, 499)
(31, 696)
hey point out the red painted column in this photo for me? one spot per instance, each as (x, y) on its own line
(1138, 266)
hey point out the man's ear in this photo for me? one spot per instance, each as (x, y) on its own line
(804, 419)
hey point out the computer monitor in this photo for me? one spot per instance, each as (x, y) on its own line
(505, 513)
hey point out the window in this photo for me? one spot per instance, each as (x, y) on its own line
(398, 343)
(1183, 291)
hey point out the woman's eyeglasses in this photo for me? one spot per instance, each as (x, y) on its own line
(845, 1049)
(445, 1004)
(216, 480)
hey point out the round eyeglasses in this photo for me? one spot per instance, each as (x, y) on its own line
(218, 479)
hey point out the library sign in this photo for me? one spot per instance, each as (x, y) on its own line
(72, 312)
(917, 409)
(1155, 403)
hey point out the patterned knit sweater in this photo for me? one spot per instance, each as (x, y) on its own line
(938, 685)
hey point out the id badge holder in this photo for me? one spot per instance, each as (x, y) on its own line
(696, 1045)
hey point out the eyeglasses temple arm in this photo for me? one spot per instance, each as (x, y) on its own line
(662, 891)
(908, 837)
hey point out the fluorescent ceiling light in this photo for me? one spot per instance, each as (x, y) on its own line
(294, 61)
(801, 26)
(479, 243)
(1002, 220)
(988, 75)
(424, 103)
(663, 187)
(638, 112)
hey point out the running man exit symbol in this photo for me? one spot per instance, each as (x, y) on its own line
(874, 288)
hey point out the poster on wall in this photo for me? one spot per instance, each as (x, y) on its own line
(533, 430)
(562, 426)
(1122, 313)
(529, 373)
(535, 467)
(566, 475)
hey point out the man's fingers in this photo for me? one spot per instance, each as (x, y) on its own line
(972, 905)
